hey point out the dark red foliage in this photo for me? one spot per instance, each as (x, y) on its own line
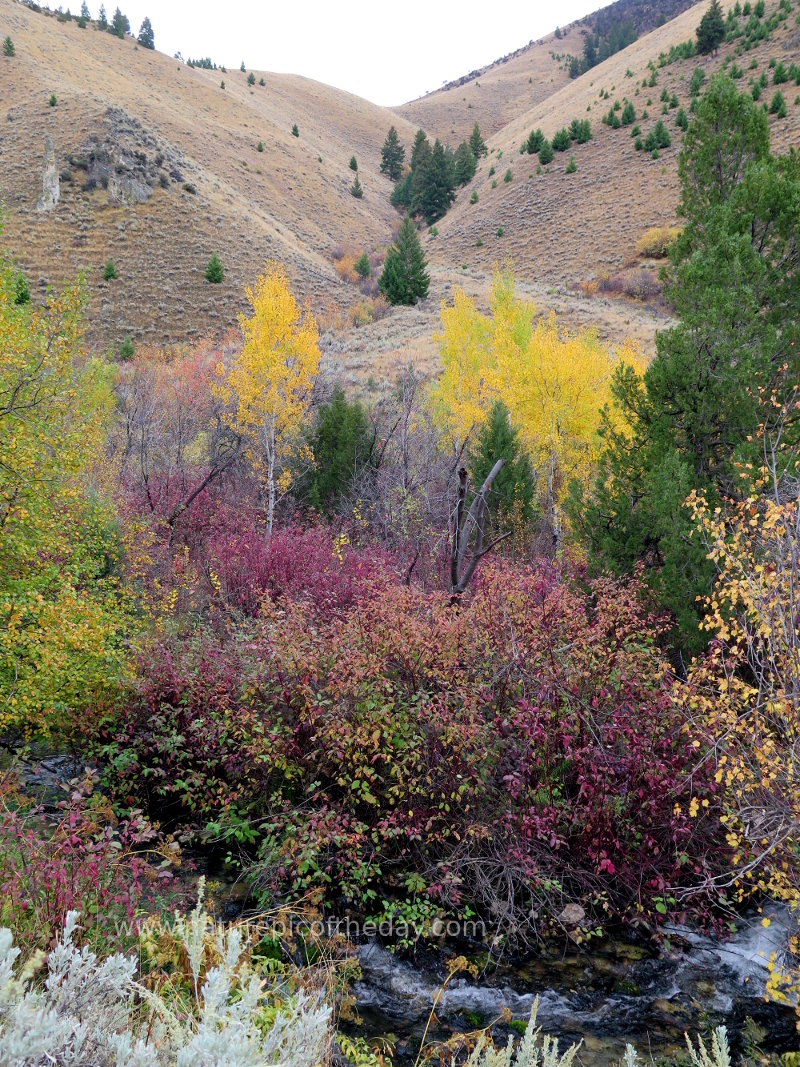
(295, 563)
(356, 730)
(80, 859)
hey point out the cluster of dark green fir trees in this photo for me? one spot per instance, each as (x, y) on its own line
(598, 47)
(722, 372)
(118, 25)
(428, 187)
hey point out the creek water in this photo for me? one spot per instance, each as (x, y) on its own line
(618, 993)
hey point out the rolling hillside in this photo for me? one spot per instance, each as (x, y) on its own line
(159, 167)
(501, 92)
(564, 228)
(163, 129)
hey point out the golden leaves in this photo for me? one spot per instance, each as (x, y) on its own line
(554, 384)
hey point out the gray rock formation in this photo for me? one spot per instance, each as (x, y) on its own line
(125, 188)
(51, 190)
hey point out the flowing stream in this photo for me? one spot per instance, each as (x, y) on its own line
(614, 993)
(618, 993)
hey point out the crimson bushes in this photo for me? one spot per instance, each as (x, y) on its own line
(512, 753)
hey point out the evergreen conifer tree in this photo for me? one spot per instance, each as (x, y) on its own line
(214, 272)
(8, 47)
(404, 279)
(120, 24)
(420, 149)
(535, 142)
(102, 21)
(402, 193)
(465, 164)
(356, 189)
(711, 31)
(734, 284)
(434, 184)
(477, 143)
(341, 442)
(513, 491)
(353, 163)
(22, 291)
(392, 156)
(146, 36)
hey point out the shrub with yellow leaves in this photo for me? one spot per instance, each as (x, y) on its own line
(62, 620)
(746, 690)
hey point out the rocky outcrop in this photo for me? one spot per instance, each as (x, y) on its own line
(126, 160)
(51, 190)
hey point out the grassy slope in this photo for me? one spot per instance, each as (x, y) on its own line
(249, 206)
(558, 229)
(498, 94)
(565, 227)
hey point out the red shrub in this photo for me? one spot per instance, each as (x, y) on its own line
(358, 730)
(296, 563)
(81, 859)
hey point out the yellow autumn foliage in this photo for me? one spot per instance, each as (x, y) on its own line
(746, 690)
(61, 624)
(271, 379)
(554, 383)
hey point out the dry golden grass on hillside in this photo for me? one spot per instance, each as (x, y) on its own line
(563, 233)
(248, 205)
(499, 93)
(566, 228)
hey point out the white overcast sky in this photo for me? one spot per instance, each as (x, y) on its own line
(389, 52)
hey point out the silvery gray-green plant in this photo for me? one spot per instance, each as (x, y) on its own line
(87, 1013)
(539, 1050)
(534, 1050)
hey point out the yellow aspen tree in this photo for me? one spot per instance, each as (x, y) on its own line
(460, 397)
(554, 384)
(745, 691)
(272, 377)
